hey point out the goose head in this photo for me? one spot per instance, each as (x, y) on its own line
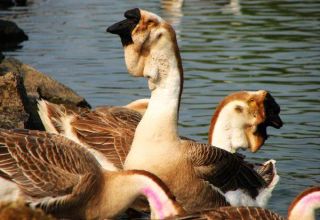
(150, 46)
(241, 120)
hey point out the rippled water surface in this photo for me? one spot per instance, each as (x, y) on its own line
(226, 46)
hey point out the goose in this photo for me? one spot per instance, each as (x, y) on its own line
(302, 207)
(199, 175)
(65, 180)
(241, 119)
(108, 131)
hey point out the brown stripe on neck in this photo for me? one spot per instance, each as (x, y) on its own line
(234, 96)
(302, 195)
(178, 58)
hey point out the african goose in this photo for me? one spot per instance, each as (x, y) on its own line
(64, 179)
(302, 207)
(241, 119)
(199, 175)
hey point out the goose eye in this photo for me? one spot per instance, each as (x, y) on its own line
(238, 109)
(251, 100)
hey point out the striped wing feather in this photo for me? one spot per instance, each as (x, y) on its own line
(233, 213)
(249, 213)
(109, 130)
(223, 169)
(50, 170)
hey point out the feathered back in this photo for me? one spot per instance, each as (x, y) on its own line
(57, 174)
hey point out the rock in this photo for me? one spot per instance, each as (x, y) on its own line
(38, 85)
(1, 56)
(10, 3)
(10, 35)
(20, 2)
(13, 99)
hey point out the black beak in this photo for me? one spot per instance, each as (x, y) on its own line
(272, 112)
(125, 27)
(275, 121)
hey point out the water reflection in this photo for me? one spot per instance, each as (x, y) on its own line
(233, 7)
(173, 13)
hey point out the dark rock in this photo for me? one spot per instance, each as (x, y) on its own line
(10, 3)
(38, 85)
(13, 99)
(1, 56)
(10, 35)
(20, 2)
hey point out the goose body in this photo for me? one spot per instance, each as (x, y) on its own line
(106, 131)
(97, 131)
(65, 180)
(302, 207)
(201, 176)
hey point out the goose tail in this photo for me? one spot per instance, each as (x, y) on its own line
(52, 116)
(268, 172)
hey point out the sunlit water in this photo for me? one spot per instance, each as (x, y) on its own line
(225, 46)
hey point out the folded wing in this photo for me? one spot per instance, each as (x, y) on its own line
(51, 171)
(224, 170)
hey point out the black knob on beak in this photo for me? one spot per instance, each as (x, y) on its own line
(133, 14)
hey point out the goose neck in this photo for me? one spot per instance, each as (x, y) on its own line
(225, 133)
(305, 206)
(124, 187)
(160, 119)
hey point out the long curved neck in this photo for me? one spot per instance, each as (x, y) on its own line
(124, 187)
(160, 119)
(223, 133)
(305, 206)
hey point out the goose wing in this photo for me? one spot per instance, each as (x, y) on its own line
(53, 172)
(223, 169)
(229, 213)
(108, 130)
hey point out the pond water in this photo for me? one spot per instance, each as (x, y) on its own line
(226, 46)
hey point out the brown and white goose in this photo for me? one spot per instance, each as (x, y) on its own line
(199, 175)
(302, 207)
(241, 119)
(64, 179)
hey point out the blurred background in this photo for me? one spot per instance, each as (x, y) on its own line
(226, 46)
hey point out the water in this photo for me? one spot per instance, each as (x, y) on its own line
(226, 47)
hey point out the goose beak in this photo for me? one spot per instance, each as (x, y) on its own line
(275, 122)
(272, 110)
(124, 28)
